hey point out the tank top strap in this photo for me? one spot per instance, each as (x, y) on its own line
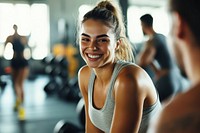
(91, 86)
(118, 67)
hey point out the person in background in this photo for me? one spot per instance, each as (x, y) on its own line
(182, 114)
(20, 70)
(119, 96)
(156, 56)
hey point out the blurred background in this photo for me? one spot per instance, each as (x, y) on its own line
(51, 90)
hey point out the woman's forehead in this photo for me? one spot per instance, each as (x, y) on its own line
(94, 28)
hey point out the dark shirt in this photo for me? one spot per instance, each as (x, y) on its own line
(162, 52)
(18, 47)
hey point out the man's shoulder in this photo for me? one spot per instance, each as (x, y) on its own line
(159, 38)
(182, 114)
(187, 101)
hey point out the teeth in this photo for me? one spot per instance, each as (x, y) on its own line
(93, 56)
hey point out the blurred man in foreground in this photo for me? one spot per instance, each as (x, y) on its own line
(182, 114)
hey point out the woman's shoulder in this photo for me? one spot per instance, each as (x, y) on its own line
(130, 68)
(9, 38)
(83, 77)
(83, 68)
(134, 75)
(129, 82)
(132, 79)
(84, 71)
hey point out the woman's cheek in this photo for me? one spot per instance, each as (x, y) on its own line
(82, 49)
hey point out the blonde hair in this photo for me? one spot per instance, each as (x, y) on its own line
(109, 13)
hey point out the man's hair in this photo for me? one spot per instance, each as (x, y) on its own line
(189, 10)
(147, 19)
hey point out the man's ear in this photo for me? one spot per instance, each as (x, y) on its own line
(180, 27)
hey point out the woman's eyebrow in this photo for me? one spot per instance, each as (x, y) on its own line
(99, 36)
(103, 35)
(83, 34)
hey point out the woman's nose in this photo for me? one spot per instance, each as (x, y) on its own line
(93, 45)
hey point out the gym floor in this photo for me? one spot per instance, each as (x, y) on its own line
(42, 111)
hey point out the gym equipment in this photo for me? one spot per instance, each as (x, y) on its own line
(80, 110)
(48, 60)
(56, 68)
(70, 90)
(51, 87)
(2, 84)
(62, 61)
(66, 127)
(64, 91)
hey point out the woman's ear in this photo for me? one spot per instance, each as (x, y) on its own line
(118, 44)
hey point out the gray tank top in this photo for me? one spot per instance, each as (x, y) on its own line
(102, 118)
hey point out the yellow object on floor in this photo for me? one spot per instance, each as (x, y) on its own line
(21, 113)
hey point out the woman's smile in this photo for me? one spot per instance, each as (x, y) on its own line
(93, 56)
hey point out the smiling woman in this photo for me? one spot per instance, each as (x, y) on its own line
(97, 43)
(119, 96)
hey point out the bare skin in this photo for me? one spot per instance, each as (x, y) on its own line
(18, 79)
(133, 89)
(186, 117)
(182, 115)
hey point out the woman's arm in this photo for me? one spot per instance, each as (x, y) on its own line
(8, 39)
(129, 100)
(84, 73)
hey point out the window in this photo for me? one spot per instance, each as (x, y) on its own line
(32, 21)
(160, 24)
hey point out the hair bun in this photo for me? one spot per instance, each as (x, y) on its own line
(106, 4)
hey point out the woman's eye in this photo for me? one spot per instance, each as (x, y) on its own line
(102, 40)
(85, 40)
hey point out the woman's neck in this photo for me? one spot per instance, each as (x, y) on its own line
(104, 73)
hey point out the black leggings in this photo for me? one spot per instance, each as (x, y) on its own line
(17, 63)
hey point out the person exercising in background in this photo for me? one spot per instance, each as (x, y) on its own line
(20, 70)
(119, 96)
(156, 55)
